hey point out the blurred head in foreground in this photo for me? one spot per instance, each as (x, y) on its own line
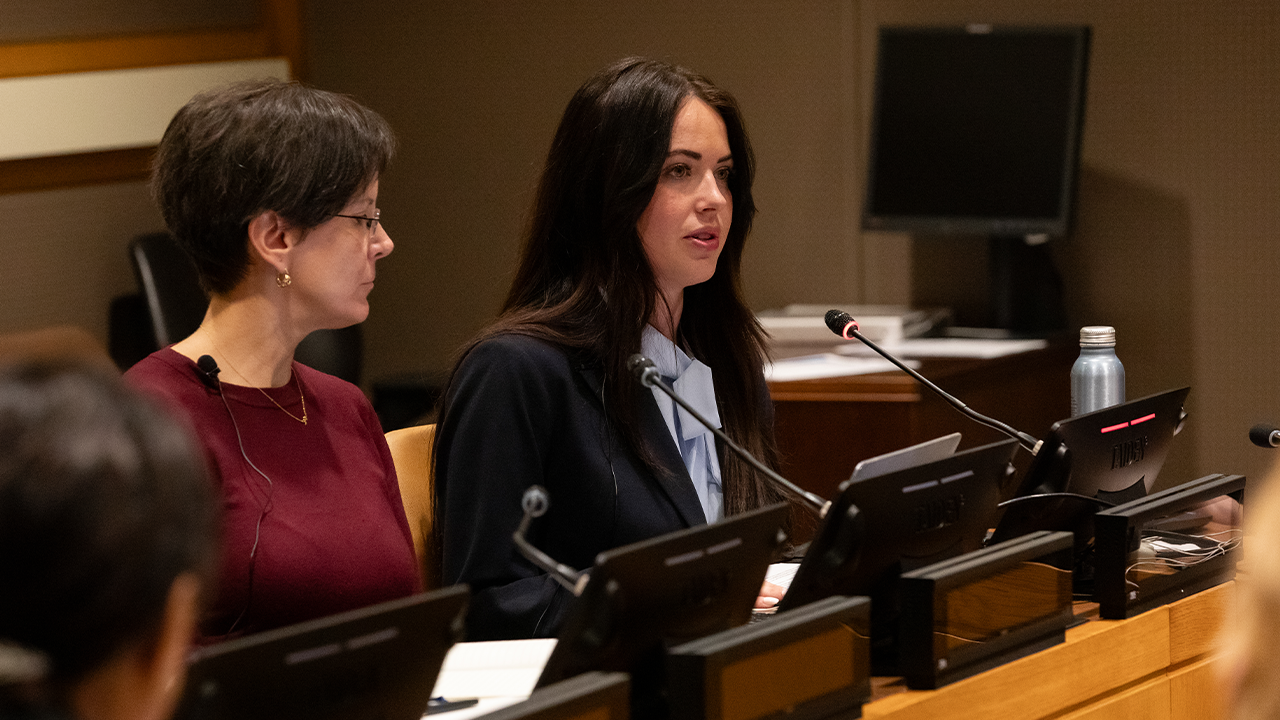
(107, 533)
(1251, 633)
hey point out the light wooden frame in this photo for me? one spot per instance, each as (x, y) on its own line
(279, 34)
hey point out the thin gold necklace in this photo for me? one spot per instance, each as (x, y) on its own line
(296, 382)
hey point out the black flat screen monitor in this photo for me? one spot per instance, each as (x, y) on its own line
(376, 662)
(674, 588)
(880, 526)
(976, 129)
(1113, 455)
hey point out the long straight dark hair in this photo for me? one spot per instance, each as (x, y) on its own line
(585, 284)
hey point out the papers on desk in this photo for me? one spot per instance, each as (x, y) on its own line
(500, 673)
(782, 574)
(810, 367)
(945, 348)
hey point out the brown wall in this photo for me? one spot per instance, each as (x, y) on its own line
(1179, 197)
(476, 89)
(64, 254)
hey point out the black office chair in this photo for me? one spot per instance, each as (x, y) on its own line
(175, 305)
(170, 286)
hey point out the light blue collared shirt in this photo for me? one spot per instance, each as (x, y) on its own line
(692, 380)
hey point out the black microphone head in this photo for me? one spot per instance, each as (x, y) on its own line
(535, 501)
(1264, 435)
(644, 370)
(208, 371)
(840, 322)
(638, 363)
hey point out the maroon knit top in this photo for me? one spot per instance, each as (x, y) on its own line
(329, 526)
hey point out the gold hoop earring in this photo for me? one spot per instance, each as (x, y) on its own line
(283, 280)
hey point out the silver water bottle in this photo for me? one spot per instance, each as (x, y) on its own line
(1097, 378)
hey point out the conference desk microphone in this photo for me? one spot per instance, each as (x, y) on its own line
(535, 502)
(843, 324)
(1265, 435)
(647, 373)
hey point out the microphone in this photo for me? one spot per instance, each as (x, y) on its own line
(647, 373)
(208, 373)
(843, 324)
(1264, 435)
(535, 502)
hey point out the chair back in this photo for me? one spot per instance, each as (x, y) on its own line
(176, 306)
(411, 449)
(170, 285)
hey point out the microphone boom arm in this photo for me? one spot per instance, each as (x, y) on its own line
(649, 377)
(1028, 442)
(535, 504)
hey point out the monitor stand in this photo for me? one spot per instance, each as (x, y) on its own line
(1026, 289)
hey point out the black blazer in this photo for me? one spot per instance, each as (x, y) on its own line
(522, 412)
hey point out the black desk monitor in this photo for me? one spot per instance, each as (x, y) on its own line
(1112, 455)
(674, 588)
(881, 526)
(376, 662)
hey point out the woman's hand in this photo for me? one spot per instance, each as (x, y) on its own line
(769, 596)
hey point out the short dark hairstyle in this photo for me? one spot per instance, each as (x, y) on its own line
(104, 502)
(584, 281)
(233, 152)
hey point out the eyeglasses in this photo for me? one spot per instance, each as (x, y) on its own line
(370, 223)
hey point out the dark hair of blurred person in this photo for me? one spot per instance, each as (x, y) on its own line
(107, 535)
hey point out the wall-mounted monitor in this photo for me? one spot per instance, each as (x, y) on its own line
(976, 129)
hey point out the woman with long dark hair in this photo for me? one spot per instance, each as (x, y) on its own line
(634, 245)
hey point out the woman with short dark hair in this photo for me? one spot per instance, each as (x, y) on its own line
(107, 535)
(634, 245)
(272, 189)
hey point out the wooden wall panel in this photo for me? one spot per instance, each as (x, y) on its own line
(35, 20)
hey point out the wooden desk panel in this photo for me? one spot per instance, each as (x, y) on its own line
(1194, 692)
(1194, 622)
(1105, 669)
(1146, 701)
(1097, 657)
(826, 426)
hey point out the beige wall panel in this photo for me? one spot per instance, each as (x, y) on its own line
(110, 109)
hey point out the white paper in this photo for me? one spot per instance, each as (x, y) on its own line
(495, 669)
(782, 573)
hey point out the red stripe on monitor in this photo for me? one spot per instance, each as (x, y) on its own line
(1143, 419)
(1121, 426)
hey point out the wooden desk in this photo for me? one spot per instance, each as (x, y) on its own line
(1159, 665)
(826, 426)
